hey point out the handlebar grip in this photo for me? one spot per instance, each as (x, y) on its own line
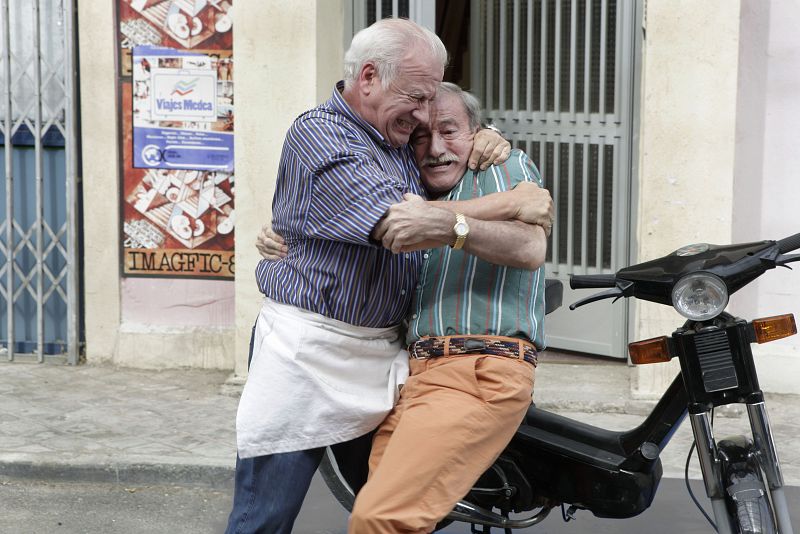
(790, 243)
(589, 281)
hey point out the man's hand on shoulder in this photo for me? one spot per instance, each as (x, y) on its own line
(488, 148)
(414, 224)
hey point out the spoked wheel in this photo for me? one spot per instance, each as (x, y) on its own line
(745, 491)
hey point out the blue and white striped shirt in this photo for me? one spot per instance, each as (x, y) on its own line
(336, 179)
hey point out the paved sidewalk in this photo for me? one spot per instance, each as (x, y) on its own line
(107, 424)
(128, 426)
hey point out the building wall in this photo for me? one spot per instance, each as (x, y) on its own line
(767, 189)
(100, 179)
(687, 142)
(136, 322)
(288, 55)
(718, 115)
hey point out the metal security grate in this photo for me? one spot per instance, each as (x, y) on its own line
(362, 13)
(552, 77)
(38, 232)
(557, 77)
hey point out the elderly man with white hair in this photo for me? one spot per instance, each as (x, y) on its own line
(325, 346)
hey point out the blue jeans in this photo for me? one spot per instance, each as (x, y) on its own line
(269, 491)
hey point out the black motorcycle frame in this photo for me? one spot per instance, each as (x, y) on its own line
(615, 474)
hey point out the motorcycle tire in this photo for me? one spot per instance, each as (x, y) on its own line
(748, 501)
(342, 491)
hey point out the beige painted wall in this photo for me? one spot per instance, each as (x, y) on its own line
(152, 323)
(767, 189)
(688, 126)
(100, 179)
(288, 56)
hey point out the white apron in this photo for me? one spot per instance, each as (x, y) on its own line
(315, 381)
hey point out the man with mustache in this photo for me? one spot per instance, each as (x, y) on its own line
(474, 329)
(325, 340)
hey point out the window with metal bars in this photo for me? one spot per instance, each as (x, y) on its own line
(549, 79)
(385, 9)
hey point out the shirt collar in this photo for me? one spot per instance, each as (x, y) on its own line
(338, 104)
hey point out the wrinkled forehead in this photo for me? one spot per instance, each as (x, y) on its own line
(448, 109)
(422, 68)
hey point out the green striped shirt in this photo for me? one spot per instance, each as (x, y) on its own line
(459, 293)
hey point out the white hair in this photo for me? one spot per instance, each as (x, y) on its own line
(386, 44)
(471, 103)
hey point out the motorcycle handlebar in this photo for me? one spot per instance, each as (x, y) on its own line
(787, 244)
(589, 281)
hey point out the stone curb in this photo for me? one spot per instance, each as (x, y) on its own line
(121, 473)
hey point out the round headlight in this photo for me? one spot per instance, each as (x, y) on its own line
(700, 296)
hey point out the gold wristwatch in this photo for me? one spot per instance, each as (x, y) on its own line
(461, 229)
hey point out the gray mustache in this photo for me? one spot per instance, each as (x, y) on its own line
(444, 158)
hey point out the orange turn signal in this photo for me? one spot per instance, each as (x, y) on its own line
(771, 328)
(654, 350)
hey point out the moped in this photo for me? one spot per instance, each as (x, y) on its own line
(553, 461)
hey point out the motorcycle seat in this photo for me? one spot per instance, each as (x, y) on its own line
(556, 425)
(553, 294)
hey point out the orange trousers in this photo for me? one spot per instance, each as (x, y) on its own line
(455, 416)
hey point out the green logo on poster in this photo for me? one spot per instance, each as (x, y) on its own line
(184, 87)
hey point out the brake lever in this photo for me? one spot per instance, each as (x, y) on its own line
(772, 258)
(623, 289)
(783, 259)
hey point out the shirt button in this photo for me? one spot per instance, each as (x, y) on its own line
(408, 255)
(402, 291)
(425, 255)
(414, 316)
(419, 286)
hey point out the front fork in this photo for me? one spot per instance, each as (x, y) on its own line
(711, 466)
(768, 458)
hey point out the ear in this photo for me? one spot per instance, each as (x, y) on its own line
(368, 78)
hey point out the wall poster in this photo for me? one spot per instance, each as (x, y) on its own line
(176, 102)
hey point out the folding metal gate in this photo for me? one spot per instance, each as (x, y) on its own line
(39, 274)
(556, 76)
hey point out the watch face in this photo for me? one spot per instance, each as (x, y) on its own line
(461, 228)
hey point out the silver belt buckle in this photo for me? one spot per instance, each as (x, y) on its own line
(474, 345)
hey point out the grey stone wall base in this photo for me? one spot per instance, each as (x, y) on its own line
(121, 473)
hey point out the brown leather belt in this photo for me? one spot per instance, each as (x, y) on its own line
(434, 347)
